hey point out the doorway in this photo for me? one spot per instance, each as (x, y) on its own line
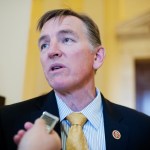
(142, 73)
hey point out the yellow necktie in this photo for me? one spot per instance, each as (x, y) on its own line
(76, 139)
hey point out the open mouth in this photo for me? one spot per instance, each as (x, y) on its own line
(56, 68)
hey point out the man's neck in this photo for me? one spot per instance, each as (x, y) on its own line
(78, 99)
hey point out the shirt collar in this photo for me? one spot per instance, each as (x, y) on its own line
(64, 110)
(93, 111)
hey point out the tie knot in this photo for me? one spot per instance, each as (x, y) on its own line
(77, 119)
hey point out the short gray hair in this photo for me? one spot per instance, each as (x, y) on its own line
(92, 28)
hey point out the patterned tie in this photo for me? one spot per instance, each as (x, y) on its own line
(76, 139)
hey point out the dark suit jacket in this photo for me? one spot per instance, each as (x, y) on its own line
(134, 127)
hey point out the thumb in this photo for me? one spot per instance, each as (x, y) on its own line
(40, 123)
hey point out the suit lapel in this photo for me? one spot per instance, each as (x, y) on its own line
(112, 120)
(47, 103)
(116, 133)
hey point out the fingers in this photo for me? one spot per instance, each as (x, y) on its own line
(18, 136)
(28, 125)
(33, 133)
(20, 133)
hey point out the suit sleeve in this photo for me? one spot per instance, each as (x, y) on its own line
(2, 136)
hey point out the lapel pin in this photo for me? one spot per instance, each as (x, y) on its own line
(116, 134)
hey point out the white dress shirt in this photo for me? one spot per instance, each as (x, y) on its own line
(93, 128)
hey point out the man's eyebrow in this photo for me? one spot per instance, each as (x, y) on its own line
(67, 31)
(44, 37)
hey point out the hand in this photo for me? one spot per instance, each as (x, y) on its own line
(37, 137)
(21, 132)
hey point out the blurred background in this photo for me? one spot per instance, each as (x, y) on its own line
(124, 25)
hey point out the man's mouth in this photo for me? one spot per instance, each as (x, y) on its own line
(56, 67)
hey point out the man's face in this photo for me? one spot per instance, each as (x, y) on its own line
(66, 55)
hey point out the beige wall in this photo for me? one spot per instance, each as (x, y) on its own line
(119, 81)
(14, 26)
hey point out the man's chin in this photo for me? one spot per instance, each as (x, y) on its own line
(58, 87)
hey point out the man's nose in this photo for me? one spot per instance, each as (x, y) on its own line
(54, 51)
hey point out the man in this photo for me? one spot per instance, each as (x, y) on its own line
(70, 53)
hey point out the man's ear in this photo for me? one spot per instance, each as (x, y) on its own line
(99, 57)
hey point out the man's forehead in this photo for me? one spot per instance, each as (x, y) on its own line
(66, 25)
(66, 21)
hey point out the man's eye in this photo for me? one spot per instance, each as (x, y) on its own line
(68, 40)
(44, 46)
